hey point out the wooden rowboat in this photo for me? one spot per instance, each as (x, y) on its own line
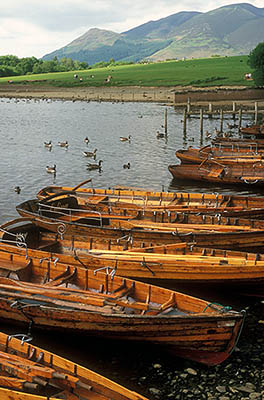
(32, 373)
(67, 221)
(210, 171)
(77, 300)
(136, 201)
(197, 156)
(257, 130)
(166, 264)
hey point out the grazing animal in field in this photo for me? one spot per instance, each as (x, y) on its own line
(51, 170)
(125, 139)
(90, 153)
(63, 144)
(95, 166)
(126, 166)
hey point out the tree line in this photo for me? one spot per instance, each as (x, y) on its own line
(11, 65)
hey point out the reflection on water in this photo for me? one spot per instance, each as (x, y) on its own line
(27, 124)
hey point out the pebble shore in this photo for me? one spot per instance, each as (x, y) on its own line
(240, 377)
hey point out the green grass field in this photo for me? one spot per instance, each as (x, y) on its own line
(215, 71)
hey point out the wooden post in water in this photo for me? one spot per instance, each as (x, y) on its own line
(256, 112)
(221, 120)
(201, 120)
(234, 110)
(188, 105)
(184, 120)
(165, 121)
(210, 110)
(239, 119)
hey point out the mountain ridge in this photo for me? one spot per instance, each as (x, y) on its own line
(228, 30)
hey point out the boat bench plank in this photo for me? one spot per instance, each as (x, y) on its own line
(47, 244)
(216, 172)
(95, 199)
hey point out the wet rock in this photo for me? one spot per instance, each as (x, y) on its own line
(221, 389)
(154, 391)
(191, 371)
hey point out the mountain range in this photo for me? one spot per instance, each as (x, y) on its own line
(229, 30)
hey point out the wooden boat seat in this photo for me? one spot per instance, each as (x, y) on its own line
(64, 277)
(46, 245)
(95, 199)
(7, 267)
(216, 172)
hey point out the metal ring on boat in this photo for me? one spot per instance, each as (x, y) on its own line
(61, 229)
(250, 183)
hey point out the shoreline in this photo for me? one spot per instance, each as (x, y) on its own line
(174, 95)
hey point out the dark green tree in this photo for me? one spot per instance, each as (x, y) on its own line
(256, 61)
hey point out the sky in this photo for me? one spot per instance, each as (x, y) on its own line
(37, 27)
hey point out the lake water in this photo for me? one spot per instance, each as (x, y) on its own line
(26, 124)
(24, 127)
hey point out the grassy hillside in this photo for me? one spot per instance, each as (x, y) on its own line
(215, 71)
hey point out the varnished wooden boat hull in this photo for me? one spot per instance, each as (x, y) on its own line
(79, 382)
(197, 156)
(113, 307)
(174, 263)
(250, 240)
(238, 175)
(146, 202)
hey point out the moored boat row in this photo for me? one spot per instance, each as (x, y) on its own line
(86, 261)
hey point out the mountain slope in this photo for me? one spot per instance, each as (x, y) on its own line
(229, 30)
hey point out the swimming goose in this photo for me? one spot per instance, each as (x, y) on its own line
(63, 144)
(126, 166)
(86, 140)
(51, 170)
(17, 189)
(125, 139)
(48, 144)
(95, 166)
(161, 135)
(90, 153)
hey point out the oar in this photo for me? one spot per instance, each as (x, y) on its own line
(27, 369)
(17, 383)
(81, 184)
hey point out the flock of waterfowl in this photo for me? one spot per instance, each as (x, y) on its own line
(89, 154)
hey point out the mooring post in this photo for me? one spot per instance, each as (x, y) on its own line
(234, 110)
(221, 120)
(184, 120)
(239, 119)
(188, 106)
(210, 110)
(165, 121)
(256, 112)
(201, 120)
